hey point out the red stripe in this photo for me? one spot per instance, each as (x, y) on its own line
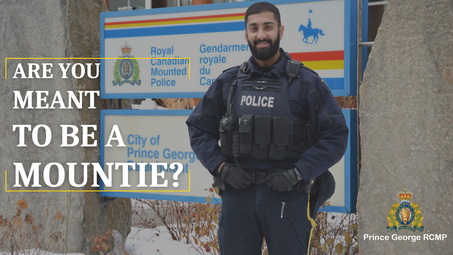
(174, 19)
(317, 56)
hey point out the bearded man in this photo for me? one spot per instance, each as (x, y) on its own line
(268, 131)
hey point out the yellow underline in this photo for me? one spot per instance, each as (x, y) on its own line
(91, 191)
(6, 61)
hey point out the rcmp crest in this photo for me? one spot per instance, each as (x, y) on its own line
(405, 214)
(126, 70)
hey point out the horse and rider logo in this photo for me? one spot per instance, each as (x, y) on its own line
(126, 69)
(308, 31)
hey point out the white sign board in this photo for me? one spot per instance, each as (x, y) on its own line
(180, 51)
(152, 136)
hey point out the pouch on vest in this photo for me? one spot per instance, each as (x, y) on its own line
(226, 130)
(309, 135)
(280, 138)
(245, 134)
(262, 136)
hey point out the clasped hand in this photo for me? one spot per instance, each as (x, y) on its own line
(283, 180)
(235, 176)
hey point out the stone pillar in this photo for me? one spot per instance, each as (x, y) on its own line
(53, 28)
(406, 126)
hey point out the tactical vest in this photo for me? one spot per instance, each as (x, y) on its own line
(259, 122)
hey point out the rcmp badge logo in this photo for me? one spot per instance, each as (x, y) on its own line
(405, 214)
(126, 70)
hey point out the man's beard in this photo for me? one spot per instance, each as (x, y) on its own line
(266, 53)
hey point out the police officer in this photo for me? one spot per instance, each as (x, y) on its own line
(268, 131)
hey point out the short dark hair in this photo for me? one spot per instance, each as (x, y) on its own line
(261, 7)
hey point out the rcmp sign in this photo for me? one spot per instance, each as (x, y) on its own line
(182, 50)
(405, 214)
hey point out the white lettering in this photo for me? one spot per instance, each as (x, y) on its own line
(54, 174)
(125, 172)
(21, 134)
(47, 132)
(64, 70)
(22, 175)
(375, 237)
(33, 71)
(264, 101)
(243, 99)
(81, 72)
(65, 134)
(115, 134)
(73, 134)
(257, 101)
(41, 98)
(92, 93)
(142, 175)
(271, 102)
(60, 175)
(72, 176)
(57, 100)
(106, 178)
(34, 173)
(47, 69)
(89, 73)
(434, 237)
(78, 70)
(411, 238)
(155, 175)
(19, 71)
(22, 101)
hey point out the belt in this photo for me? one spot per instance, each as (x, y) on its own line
(259, 176)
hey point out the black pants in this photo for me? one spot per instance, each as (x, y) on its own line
(258, 212)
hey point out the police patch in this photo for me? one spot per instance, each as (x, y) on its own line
(405, 214)
(126, 70)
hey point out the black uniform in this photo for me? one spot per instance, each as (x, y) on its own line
(278, 123)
